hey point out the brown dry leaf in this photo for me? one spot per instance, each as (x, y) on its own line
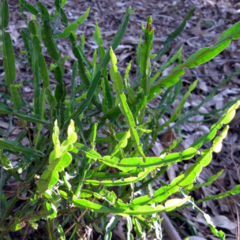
(222, 221)
(167, 138)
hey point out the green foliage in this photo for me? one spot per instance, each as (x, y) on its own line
(69, 166)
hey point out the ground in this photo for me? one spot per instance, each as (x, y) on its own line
(210, 19)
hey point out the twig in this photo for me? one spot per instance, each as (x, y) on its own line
(13, 131)
(25, 234)
(238, 222)
(99, 6)
(79, 218)
(24, 184)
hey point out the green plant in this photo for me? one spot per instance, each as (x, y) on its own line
(69, 169)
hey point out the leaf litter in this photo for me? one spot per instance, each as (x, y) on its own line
(211, 18)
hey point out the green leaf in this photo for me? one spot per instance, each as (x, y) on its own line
(103, 63)
(30, 8)
(145, 64)
(122, 143)
(173, 35)
(17, 147)
(231, 32)
(15, 96)
(82, 70)
(217, 143)
(208, 182)
(206, 158)
(32, 27)
(203, 55)
(111, 224)
(36, 118)
(5, 109)
(234, 191)
(189, 153)
(46, 32)
(63, 3)
(5, 163)
(121, 182)
(88, 151)
(121, 98)
(8, 59)
(73, 26)
(179, 107)
(190, 175)
(125, 211)
(27, 45)
(97, 35)
(60, 163)
(59, 158)
(37, 50)
(4, 14)
(226, 118)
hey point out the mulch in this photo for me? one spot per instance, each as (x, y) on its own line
(210, 19)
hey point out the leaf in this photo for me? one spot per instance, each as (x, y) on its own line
(206, 158)
(145, 65)
(231, 32)
(121, 98)
(37, 50)
(125, 211)
(30, 8)
(208, 182)
(73, 26)
(201, 56)
(72, 136)
(81, 67)
(15, 96)
(17, 147)
(8, 59)
(97, 35)
(205, 54)
(36, 118)
(103, 63)
(46, 32)
(190, 175)
(27, 45)
(174, 203)
(121, 182)
(5, 163)
(60, 163)
(226, 118)
(88, 151)
(179, 107)
(234, 191)
(4, 14)
(59, 158)
(222, 221)
(173, 35)
(32, 27)
(111, 224)
(217, 143)
(189, 153)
